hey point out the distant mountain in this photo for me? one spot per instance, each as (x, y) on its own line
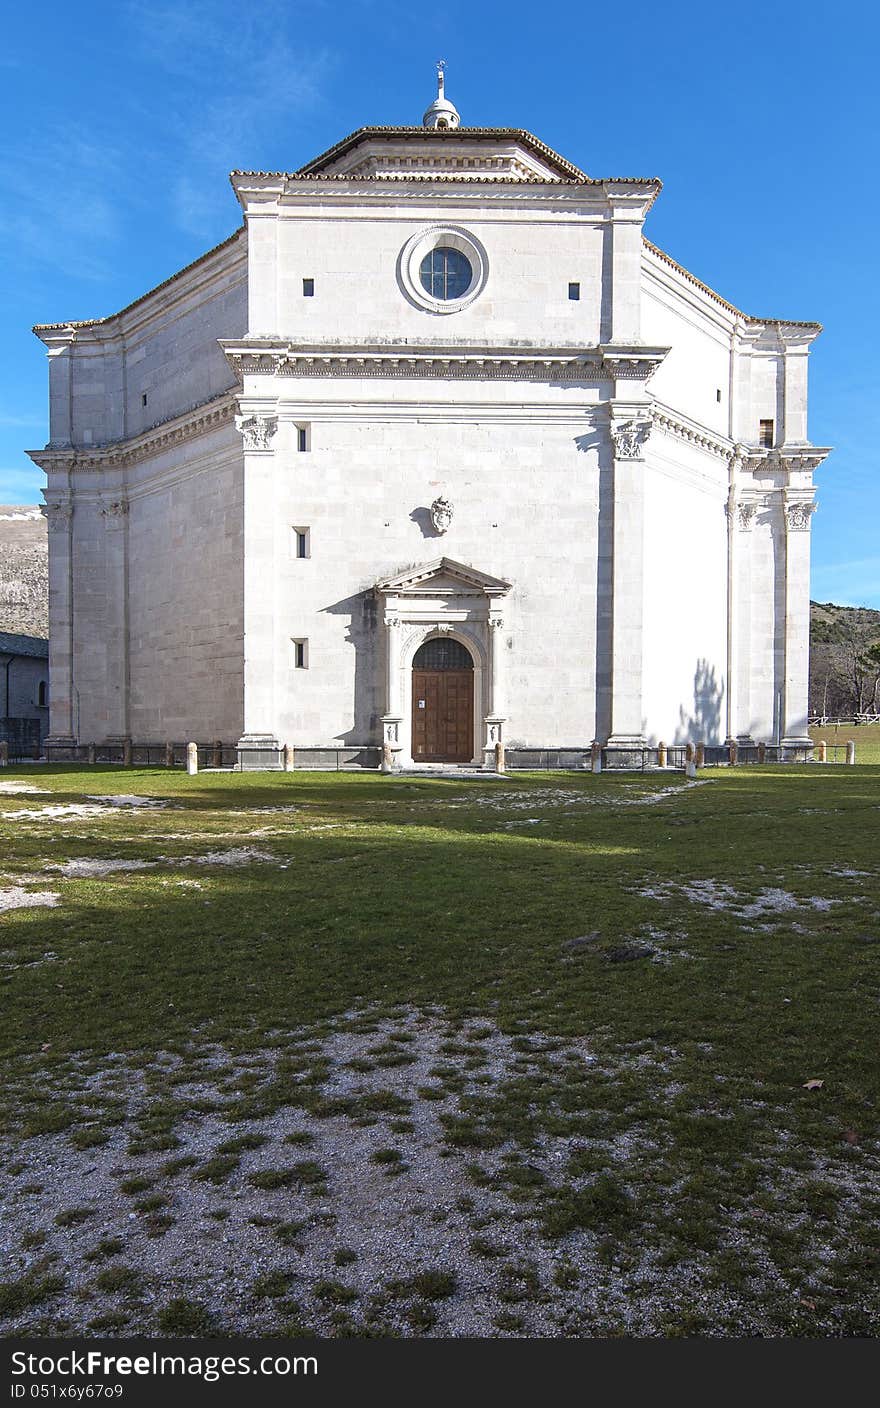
(844, 659)
(24, 570)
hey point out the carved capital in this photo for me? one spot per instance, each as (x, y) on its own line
(114, 511)
(798, 515)
(441, 512)
(256, 431)
(628, 437)
(496, 623)
(58, 512)
(742, 515)
(393, 623)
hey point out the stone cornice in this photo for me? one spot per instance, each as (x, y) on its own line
(800, 459)
(276, 357)
(122, 453)
(673, 423)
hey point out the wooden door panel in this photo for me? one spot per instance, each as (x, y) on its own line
(442, 715)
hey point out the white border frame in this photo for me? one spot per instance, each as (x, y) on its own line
(433, 237)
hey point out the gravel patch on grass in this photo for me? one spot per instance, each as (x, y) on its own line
(17, 898)
(353, 1179)
(713, 894)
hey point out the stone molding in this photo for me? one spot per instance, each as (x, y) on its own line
(122, 453)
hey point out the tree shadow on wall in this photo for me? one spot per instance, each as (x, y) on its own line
(703, 725)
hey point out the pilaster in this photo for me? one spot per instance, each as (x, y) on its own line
(798, 507)
(115, 516)
(58, 511)
(257, 426)
(629, 429)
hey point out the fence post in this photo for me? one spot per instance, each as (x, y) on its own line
(850, 751)
(690, 769)
(661, 755)
(4, 753)
(169, 755)
(732, 754)
(700, 754)
(762, 752)
(595, 756)
(288, 757)
(91, 754)
(387, 758)
(217, 753)
(823, 751)
(192, 758)
(126, 752)
(499, 757)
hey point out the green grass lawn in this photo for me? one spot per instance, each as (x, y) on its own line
(865, 736)
(341, 1054)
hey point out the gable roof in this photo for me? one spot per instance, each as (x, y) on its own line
(557, 163)
(12, 644)
(421, 578)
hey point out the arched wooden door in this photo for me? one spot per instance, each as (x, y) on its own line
(442, 703)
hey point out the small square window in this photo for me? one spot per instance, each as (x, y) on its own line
(718, 395)
(574, 292)
(765, 434)
(301, 545)
(302, 437)
(144, 399)
(308, 288)
(299, 654)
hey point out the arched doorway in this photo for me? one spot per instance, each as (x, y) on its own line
(442, 702)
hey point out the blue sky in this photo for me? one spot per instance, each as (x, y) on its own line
(122, 120)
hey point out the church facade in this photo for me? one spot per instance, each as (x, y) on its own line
(437, 451)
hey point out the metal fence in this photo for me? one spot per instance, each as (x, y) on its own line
(22, 738)
(216, 755)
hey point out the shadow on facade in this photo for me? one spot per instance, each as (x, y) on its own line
(703, 725)
(362, 634)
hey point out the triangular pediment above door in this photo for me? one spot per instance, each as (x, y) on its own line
(442, 576)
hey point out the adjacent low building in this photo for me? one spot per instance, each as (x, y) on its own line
(437, 451)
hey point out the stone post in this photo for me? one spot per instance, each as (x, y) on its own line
(288, 757)
(169, 755)
(595, 756)
(690, 767)
(700, 755)
(126, 752)
(91, 752)
(192, 758)
(823, 751)
(4, 753)
(762, 752)
(732, 754)
(499, 757)
(850, 751)
(661, 755)
(217, 753)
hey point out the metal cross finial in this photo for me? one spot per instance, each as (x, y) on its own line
(441, 65)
